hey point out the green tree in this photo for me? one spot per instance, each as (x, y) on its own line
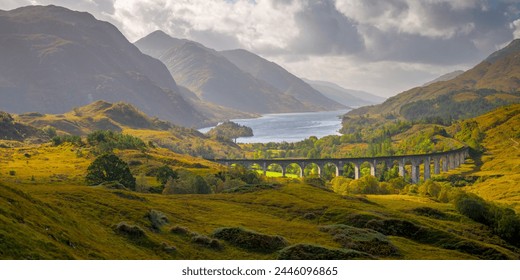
(200, 186)
(109, 167)
(164, 173)
(230, 130)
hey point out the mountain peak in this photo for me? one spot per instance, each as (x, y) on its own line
(513, 47)
(55, 59)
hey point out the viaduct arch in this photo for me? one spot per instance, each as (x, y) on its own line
(442, 162)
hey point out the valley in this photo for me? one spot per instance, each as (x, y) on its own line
(100, 156)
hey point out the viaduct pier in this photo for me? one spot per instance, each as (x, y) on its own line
(441, 162)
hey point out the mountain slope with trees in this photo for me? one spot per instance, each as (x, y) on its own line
(492, 83)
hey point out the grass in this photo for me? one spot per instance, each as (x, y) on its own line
(73, 221)
(47, 212)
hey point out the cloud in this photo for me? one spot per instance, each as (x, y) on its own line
(253, 25)
(384, 78)
(322, 30)
(335, 35)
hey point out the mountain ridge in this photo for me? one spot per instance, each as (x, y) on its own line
(51, 53)
(281, 79)
(208, 73)
(348, 97)
(491, 83)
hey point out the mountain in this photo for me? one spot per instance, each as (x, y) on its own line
(445, 77)
(100, 115)
(54, 59)
(213, 78)
(492, 83)
(347, 97)
(281, 79)
(119, 117)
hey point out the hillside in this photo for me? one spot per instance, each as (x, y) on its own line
(492, 83)
(445, 77)
(49, 210)
(55, 59)
(281, 79)
(347, 97)
(501, 158)
(49, 207)
(213, 78)
(16, 131)
(125, 118)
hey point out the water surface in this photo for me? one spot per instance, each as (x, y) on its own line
(290, 127)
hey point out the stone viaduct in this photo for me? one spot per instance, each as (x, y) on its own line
(442, 161)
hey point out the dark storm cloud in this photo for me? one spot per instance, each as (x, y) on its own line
(323, 30)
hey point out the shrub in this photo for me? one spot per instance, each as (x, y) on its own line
(395, 227)
(340, 185)
(503, 221)
(315, 252)
(73, 139)
(473, 207)
(206, 241)
(168, 248)
(12, 173)
(365, 240)
(157, 218)
(250, 240)
(131, 231)
(164, 173)
(361, 219)
(108, 168)
(105, 141)
(181, 230)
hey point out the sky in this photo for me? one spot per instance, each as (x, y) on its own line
(380, 46)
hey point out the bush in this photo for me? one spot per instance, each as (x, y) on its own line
(157, 218)
(105, 141)
(250, 240)
(181, 230)
(503, 221)
(315, 252)
(206, 241)
(361, 219)
(164, 173)
(473, 207)
(73, 139)
(187, 183)
(365, 240)
(131, 231)
(395, 227)
(108, 168)
(168, 248)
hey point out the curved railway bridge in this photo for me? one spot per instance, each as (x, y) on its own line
(441, 162)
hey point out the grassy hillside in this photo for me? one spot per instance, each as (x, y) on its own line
(123, 117)
(47, 212)
(501, 159)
